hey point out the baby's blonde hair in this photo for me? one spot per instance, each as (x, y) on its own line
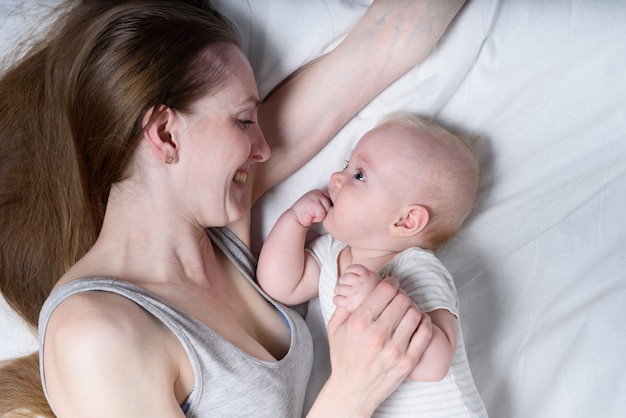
(449, 206)
(472, 142)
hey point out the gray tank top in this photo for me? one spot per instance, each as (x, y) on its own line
(228, 381)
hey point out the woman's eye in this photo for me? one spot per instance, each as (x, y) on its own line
(246, 123)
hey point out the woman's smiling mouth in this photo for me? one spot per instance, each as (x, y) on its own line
(240, 177)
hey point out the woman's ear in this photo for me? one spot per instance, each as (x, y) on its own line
(413, 220)
(157, 123)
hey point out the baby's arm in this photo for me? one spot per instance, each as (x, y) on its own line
(285, 271)
(357, 282)
(437, 358)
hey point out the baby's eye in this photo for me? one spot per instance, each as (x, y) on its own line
(345, 164)
(359, 175)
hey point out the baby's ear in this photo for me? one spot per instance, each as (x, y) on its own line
(413, 220)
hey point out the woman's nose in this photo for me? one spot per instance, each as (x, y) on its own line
(260, 151)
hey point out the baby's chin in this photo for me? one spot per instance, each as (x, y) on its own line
(331, 228)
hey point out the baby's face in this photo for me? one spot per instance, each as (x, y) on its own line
(378, 181)
(395, 167)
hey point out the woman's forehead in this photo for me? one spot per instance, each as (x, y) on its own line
(239, 89)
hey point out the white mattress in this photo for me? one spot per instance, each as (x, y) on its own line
(541, 265)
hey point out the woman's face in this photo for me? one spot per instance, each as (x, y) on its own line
(221, 140)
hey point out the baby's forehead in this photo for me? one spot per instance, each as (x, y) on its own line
(389, 159)
(396, 141)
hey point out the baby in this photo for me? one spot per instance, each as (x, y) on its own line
(407, 189)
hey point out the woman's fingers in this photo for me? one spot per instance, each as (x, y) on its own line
(374, 348)
(408, 330)
(413, 335)
(383, 294)
(364, 318)
(336, 321)
(396, 312)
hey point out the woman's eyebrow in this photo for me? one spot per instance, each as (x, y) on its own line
(253, 100)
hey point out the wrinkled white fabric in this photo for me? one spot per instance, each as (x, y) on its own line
(540, 267)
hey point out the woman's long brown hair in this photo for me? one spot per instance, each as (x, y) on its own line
(71, 113)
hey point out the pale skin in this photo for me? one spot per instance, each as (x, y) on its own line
(378, 205)
(153, 236)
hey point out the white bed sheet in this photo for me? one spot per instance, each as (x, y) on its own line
(541, 265)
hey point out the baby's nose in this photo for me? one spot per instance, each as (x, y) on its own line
(335, 179)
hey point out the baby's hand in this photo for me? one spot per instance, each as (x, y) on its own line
(353, 286)
(311, 207)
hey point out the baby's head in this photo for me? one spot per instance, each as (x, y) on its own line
(415, 180)
(445, 173)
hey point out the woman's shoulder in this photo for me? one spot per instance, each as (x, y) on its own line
(108, 328)
(101, 322)
(101, 346)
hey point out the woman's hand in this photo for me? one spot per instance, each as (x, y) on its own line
(372, 350)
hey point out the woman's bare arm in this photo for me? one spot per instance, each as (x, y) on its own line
(310, 107)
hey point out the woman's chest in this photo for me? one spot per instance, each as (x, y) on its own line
(237, 313)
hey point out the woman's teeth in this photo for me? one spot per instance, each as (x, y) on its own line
(240, 177)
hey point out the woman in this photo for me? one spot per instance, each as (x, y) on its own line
(138, 124)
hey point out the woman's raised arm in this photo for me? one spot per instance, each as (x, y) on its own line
(308, 109)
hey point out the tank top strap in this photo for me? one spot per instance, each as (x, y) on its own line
(236, 251)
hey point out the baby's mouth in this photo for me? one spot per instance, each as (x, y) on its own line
(240, 177)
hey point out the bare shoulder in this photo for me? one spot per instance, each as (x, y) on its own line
(98, 317)
(103, 351)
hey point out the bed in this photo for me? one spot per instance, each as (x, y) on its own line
(540, 266)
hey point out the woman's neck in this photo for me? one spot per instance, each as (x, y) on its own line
(143, 240)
